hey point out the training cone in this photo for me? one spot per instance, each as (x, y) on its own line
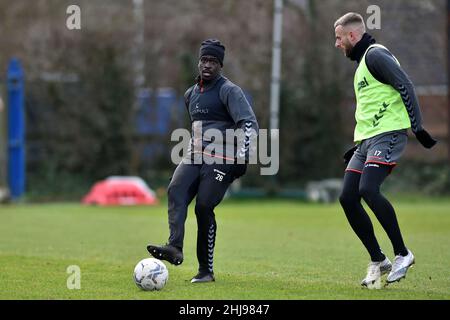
(120, 191)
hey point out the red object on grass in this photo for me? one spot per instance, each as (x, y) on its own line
(120, 191)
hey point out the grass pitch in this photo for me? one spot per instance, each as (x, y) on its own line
(264, 250)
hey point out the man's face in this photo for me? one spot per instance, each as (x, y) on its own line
(209, 67)
(343, 40)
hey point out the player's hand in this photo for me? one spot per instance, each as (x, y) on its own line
(349, 154)
(239, 170)
(425, 139)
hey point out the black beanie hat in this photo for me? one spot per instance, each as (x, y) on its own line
(213, 47)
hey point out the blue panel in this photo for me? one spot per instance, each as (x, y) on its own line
(16, 129)
(165, 101)
(154, 111)
(143, 123)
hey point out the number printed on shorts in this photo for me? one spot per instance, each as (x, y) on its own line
(377, 153)
(219, 175)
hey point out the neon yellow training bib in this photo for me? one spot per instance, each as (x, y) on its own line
(380, 107)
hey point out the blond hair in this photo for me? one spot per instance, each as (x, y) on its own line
(351, 18)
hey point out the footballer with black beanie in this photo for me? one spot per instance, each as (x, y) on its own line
(211, 164)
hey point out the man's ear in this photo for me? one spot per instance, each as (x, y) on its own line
(351, 35)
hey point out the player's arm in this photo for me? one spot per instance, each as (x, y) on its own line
(187, 97)
(385, 69)
(243, 116)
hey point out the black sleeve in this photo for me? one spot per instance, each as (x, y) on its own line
(243, 116)
(385, 68)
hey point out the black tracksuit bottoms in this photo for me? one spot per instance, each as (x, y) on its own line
(209, 182)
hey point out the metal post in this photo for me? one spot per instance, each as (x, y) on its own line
(138, 48)
(138, 56)
(276, 65)
(275, 83)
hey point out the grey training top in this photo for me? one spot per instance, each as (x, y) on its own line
(214, 108)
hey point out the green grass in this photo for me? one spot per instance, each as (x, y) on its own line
(264, 250)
